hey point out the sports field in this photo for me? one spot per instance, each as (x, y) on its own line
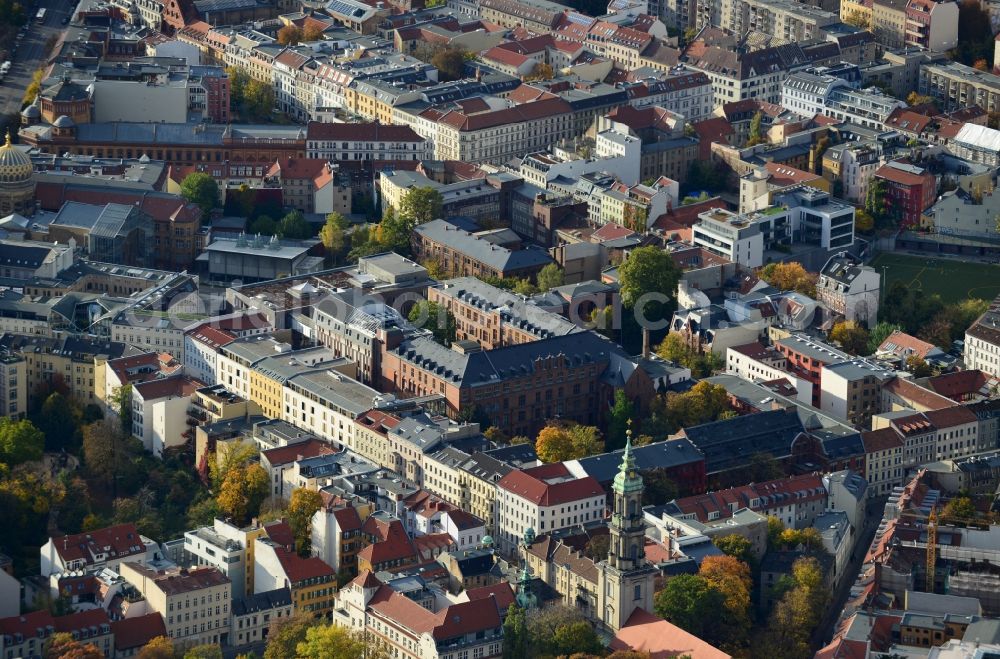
(952, 279)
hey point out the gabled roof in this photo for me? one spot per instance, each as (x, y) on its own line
(133, 633)
(644, 632)
(283, 455)
(547, 485)
(115, 542)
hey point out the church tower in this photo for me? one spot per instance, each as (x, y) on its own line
(628, 532)
(627, 578)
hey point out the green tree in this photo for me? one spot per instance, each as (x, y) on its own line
(286, 634)
(675, 349)
(259, 100)
(59, 422)
(959, 508)
(515, 634)
(880, 333)
(263, 225)
(738, 547)
(302, 505)
(756, 133)
(621, 414)
(20, 441)
(437, 318)
(419, 206)
(120, 402)
(647, 274)
(660, 488)
(597, 548)
(331, 642)
(576, 638)
(393, 232)
(203, 513)
(549, 277)
(204, 652)
(692, 603)
(227, 458)
(294, 225)
(450, 63)
(765, 467)
(853, 338)
(775, 528)
(201, 189)
(332, 235)
(876, 203)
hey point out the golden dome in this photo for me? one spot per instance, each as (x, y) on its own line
(15, 165)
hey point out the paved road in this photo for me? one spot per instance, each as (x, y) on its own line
(873, 516)
(28, 55)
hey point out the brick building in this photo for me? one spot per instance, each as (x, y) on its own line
(470, 255)
(909, 191)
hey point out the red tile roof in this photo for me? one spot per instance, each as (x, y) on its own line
(347, 518)
(136, 632)
(366, 579)
(298, 569)
(310, 448)
(281, 533)
(532, 484)
(176, 386)
(901, 177)
(210, 336)
(687, 215)
(907, 390)
(611, 231)
(802, 488)
(295, 169)
(959, 385)
(882, 439)
(785, 175)
(122, 541)
(645, 632)
(502, 594)
(902, 344)
(951, 417)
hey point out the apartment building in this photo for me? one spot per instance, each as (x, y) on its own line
(253, 616)
(14, 384)
(311, 582)
(494, 318)
(956, 85)
(467, 481)
(461, 252)
(28, 635)
(336, 532)
(194, 603)
(75, 363)
(982, 342)
(757, 74)
(809, 93)
(795, 500)
(96, 550)
(365, 141)
(852, 390)
(852, 164)
(807, 357)
(159, 412)
(495, 136)
(476, 198)
(884, 467)
(547, 498)
(787, 20)
(540, 16)
(910, 190)
(849, 288)
(416, 632)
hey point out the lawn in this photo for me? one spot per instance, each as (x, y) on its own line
(952, 279)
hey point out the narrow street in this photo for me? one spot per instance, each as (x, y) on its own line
(28, 55)
(873, 515)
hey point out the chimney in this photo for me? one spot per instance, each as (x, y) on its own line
(645, 343)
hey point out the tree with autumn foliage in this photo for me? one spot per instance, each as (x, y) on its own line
(160, 647)
(302, 505)
(853, 338)
(290, 35)
(789, 276)
(561, 442)
(64, 646)
(242, 491)
(731, 577)
(796, 615)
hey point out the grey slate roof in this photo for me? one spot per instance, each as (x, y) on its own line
(731, 443)
(476, 248)
(266, 601)
(671, 453)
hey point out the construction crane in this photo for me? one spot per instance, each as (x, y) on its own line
(931, 549)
